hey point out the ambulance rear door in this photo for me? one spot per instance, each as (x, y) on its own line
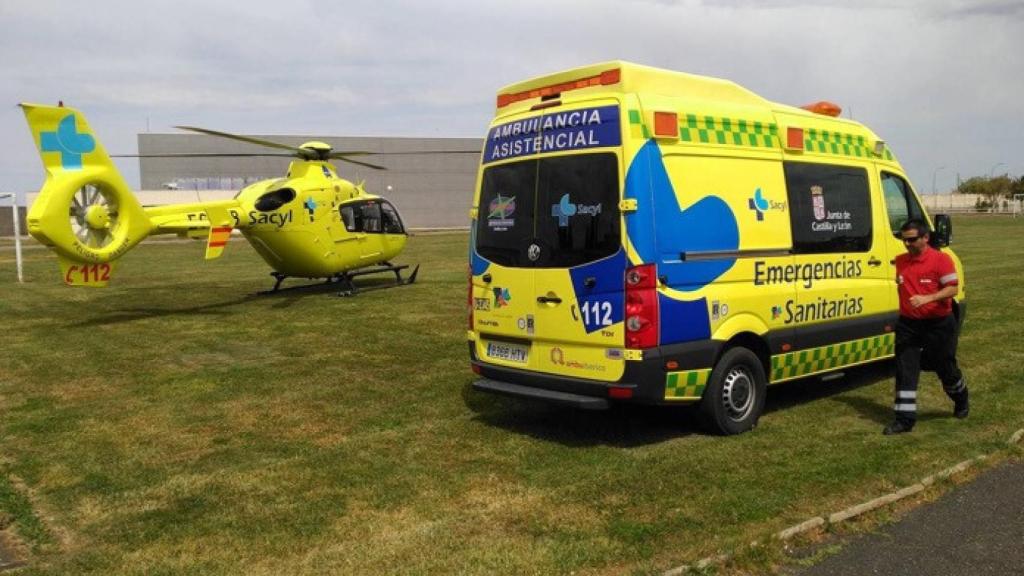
(549, 227)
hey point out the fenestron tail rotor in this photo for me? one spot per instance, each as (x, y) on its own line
(93, 216)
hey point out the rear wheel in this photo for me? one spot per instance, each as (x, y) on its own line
(735, 394)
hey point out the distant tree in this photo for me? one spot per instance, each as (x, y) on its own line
(1000, 187)
(974, 185)
(990, 190)
(1017, 186)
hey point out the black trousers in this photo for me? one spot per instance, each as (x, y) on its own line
(935, 340)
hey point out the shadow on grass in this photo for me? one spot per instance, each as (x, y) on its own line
(628, 425)
(284, 298)
(782, 396)
(622, 426)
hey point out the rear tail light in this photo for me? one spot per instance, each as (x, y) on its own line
(641, 307)
(620, 392)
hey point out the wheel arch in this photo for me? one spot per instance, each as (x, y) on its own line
(752, 342)
(748, 331)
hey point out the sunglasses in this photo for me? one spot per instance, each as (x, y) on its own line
(911, 240)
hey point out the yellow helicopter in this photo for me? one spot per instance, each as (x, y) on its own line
(309, 224)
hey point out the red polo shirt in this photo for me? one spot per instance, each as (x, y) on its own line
(924, 274)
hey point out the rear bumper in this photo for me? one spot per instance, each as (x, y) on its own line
(645, 379)
(550, 396)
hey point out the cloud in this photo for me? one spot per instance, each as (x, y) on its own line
(938, 80)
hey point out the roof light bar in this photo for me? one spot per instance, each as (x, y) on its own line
(825, 108)
(605, 78)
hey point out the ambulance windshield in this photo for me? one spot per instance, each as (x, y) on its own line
(550, 212)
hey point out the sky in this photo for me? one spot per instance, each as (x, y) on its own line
(940, 81)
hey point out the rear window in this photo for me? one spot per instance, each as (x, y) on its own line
(550, 212)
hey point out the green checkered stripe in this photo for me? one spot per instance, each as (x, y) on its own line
(814, 360)
(637, 128)
(686, 385)
(712, 130)
(826, 142)
(728, 131)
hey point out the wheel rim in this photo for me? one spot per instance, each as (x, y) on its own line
(738, 393)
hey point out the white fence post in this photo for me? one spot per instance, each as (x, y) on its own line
(17, 231)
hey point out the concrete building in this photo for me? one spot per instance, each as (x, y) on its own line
(430, 183)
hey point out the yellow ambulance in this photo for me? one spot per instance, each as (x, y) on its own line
(642, 235)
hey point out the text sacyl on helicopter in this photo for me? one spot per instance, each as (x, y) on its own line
(309, 224)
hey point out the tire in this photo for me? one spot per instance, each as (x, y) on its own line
(735, 394)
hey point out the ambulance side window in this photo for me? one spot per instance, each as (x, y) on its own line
(831, 208)
(900, 202)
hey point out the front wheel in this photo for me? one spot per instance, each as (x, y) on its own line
(734, 397)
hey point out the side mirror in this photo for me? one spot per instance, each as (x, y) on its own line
(943, 233)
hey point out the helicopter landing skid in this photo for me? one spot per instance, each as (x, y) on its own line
(344, 279)
(350, 289)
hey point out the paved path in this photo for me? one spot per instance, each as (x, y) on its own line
(976, 529)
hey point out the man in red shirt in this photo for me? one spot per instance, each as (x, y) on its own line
(926, 282)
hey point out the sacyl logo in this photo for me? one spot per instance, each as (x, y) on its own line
(759, 204)
(566, 209)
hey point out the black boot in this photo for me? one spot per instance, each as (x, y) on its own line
(898, 426)
(961, 407)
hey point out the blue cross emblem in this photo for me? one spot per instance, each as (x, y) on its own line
(563, 211)
(310, 205)
(68, 142)
(758, 204)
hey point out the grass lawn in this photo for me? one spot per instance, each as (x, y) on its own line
(175, 424)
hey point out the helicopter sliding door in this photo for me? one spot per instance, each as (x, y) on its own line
(377, 228)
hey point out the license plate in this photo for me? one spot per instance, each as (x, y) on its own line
(507, 352)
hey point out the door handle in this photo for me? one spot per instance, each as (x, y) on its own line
(874, 262)
(549, 299)
(486, 278)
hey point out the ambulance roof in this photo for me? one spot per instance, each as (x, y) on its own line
(640, 79)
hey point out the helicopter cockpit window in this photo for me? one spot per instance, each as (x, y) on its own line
(392, 223)
(348, 216)
(372, 217)
(370, 213)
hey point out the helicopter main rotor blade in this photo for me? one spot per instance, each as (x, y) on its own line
(205, 155)
(248, 139)
(343, 158)
(421, 152)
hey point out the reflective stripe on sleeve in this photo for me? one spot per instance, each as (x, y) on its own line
(948, 279)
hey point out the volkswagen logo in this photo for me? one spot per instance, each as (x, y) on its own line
(533, 252)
